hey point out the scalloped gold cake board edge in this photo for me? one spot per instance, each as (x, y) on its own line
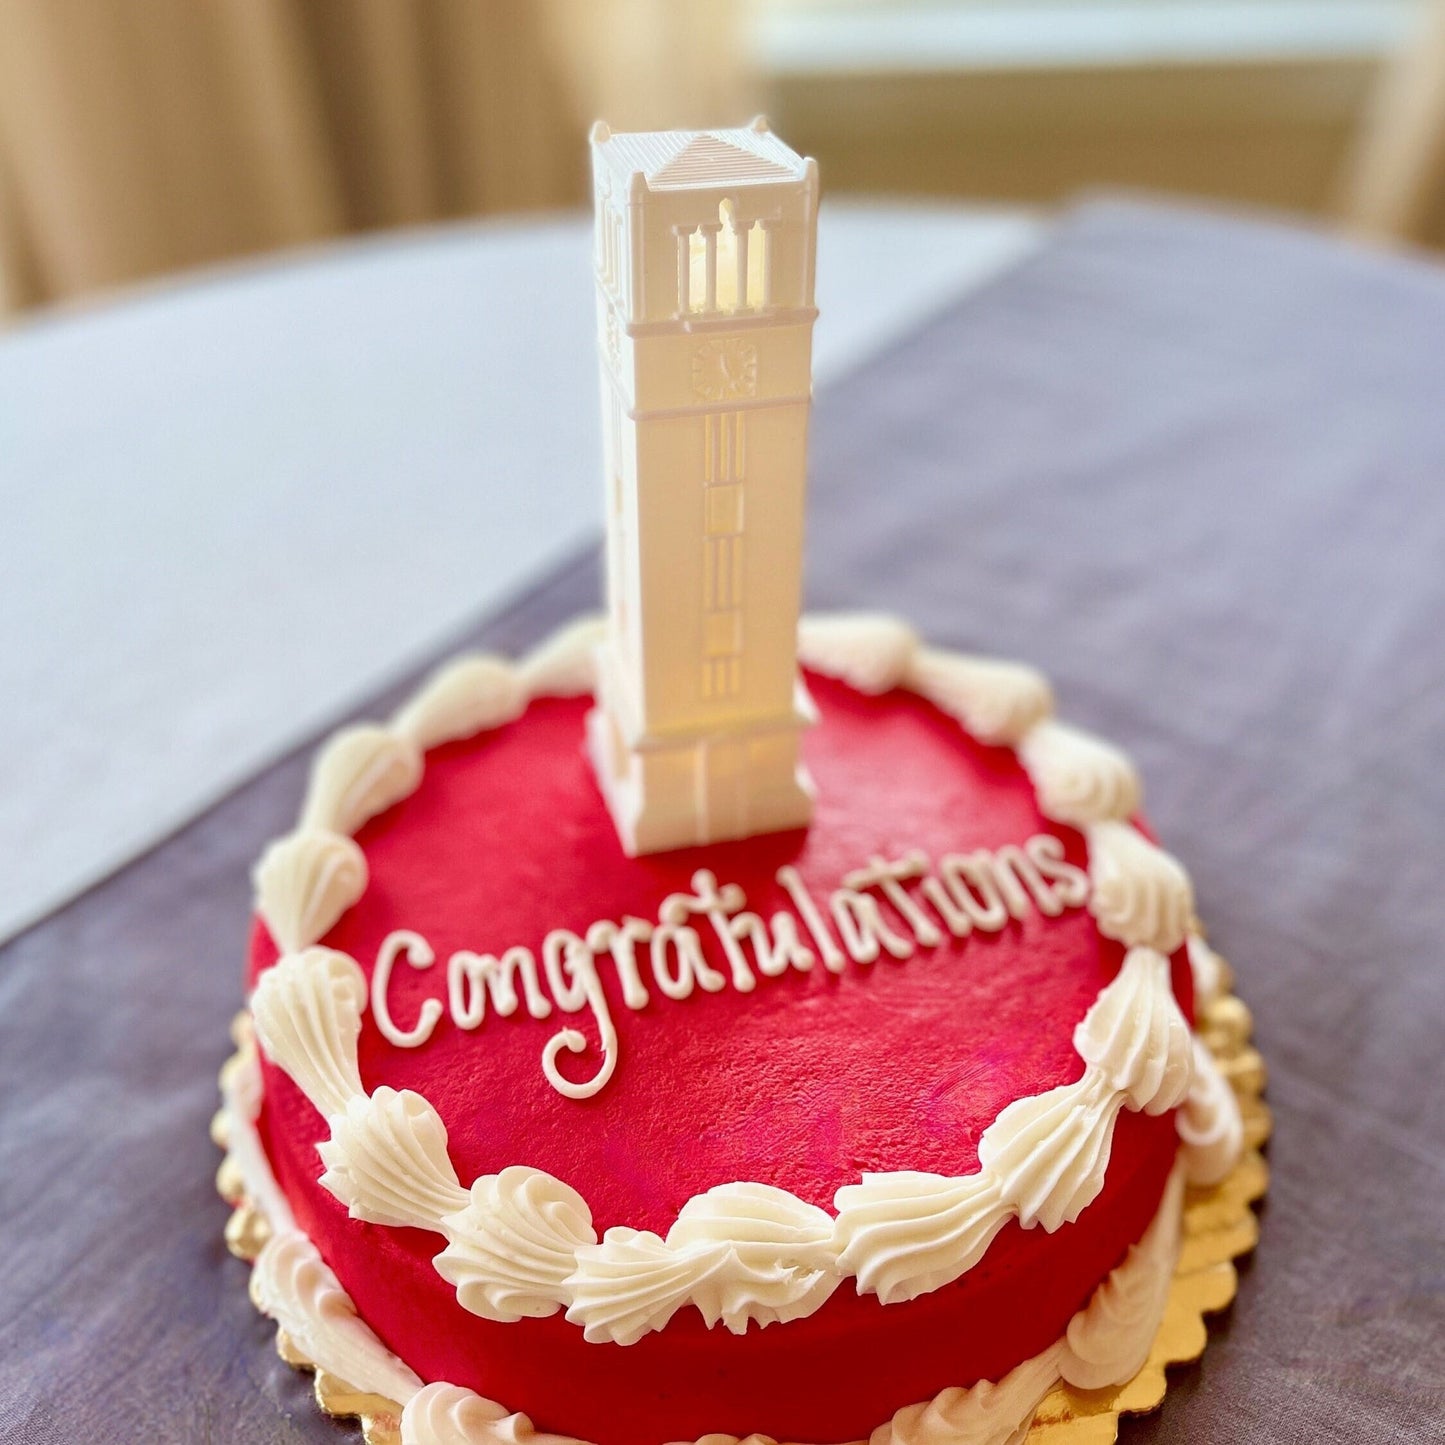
(1219, 1225)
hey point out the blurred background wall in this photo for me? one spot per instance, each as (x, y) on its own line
(138, 137)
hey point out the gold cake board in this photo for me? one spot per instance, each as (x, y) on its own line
(1219, 1225)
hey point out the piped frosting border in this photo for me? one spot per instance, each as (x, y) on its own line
(1105, 1343)
(520, 1243)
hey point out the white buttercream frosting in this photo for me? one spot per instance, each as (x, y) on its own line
(450, 1415)
(467, 696)
(307, 1009)
(387, 1161)
(1207, 969)
(1049, 1153)
(903, 1234)
(304, 882)
(722, 1438)
(1079, 778)
(1211, 1128)
(870, 651)
(741, 1253)
(564, 665)
(985, 1414)
(632, 1282)
(361, 772)
(785, 1261)
(1108, 1341)
(241, 1091)
(1135, 1036)
(513, 1242)
(997, 701)
(1140, 894)
(291, 1283)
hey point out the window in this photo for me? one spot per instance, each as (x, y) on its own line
(724, 266)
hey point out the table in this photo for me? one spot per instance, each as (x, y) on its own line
(1189, 465)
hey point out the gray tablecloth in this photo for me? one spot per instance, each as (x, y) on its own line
(1194, 468)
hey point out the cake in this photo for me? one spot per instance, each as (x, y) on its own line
(718, 1024)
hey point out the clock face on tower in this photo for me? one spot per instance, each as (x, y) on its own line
(724, 369)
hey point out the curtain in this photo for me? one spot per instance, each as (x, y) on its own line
(141, 136)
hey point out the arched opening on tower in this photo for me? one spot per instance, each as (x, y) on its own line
(728, 264)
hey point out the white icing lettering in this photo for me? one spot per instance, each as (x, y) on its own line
(692, 969)
(955, 919)
(717, 907)
(1071, 884)
(978, 890)
(863, 929)
(472, 977)
(834, 959)
(418, 954)
(776, 953)
(562, 951)
(572, 975)
(1022, 885)
(970, 882)
(889, 879)
(621, 943)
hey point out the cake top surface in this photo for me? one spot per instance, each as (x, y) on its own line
(806, 1081)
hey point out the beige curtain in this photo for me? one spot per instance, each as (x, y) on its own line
(1393, 182)
(140, 136)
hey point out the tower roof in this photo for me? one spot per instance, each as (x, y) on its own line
(681, 159)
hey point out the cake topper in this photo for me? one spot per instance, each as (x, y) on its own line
(705, 257)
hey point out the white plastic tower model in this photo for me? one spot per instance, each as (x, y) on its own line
(705, 251)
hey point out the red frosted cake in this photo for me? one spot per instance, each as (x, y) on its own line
(811, 1062)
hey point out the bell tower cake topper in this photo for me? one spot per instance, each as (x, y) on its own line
(705, 259)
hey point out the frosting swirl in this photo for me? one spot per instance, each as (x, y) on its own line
(305, 882)
(1140, 896)
(632, 1282)
(450, 1415)
(1049, 1153)
(387, 1161)
(997, 701)
(1211, 1128)
(361, 772)
(307, 1010)
(562, 666)
(462, 699)
(1079, 778)
(513, 1242)
(784, 1262)
(1209, 970)
(870, 651)
(985, 1414)
(291, 1283)
(1108, 1341)
(741, 1253)
(1136, 1037)
(903, 1234)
